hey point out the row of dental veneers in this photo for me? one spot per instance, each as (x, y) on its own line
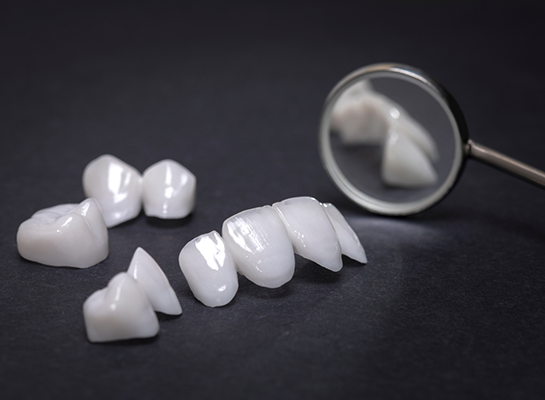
(258, 243)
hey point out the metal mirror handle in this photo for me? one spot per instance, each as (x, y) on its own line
(505, 163)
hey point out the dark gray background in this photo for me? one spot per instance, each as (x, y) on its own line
(451, 303)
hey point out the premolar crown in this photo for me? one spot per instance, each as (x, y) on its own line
(168, 190)
(67, 235)
(120, 311)
(116, 186)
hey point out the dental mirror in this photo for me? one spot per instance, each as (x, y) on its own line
(395, 141)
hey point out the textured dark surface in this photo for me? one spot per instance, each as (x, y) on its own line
(451, 303)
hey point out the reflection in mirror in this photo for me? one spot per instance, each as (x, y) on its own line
(391, 139)
(395, 141)
(362, 116)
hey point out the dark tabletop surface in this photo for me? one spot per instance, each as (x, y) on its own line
(451, 303)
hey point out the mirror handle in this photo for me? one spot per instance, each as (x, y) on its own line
(505, 163)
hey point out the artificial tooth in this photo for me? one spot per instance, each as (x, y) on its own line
(151, 277)
(209, 270)
(405, 164)
(259, 244)
(168, 190)
(348, 240)
(117, 187)
(364, 116)
(358, 116)
(310, 231)
(120, 311)
(67, 235)
(417, 133)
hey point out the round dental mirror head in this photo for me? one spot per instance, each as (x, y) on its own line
(392, 139)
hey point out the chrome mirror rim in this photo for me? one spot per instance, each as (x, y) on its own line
(447, 103)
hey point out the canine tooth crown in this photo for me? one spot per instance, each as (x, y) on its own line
(151, 277)
(168, 190)
(209, 270)
(348, 240)
(116, 186)
(67, 235)
(405, 164)
(259, 244)
(418, 134)
(310, 231)
(120, 311)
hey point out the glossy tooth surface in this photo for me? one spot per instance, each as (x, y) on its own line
(419, 135)
(259, 244)
(116, 186)
(348, 240)
(209, 270)
(401, 120)
(364, 116)
(67, 235)
(120, 311)
(310, 231)
(359, 117)
(168, 190)
(151, 277)
(405, 164)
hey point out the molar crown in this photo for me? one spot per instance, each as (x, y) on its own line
(116, 186)
(50, 236)
(168, 190)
